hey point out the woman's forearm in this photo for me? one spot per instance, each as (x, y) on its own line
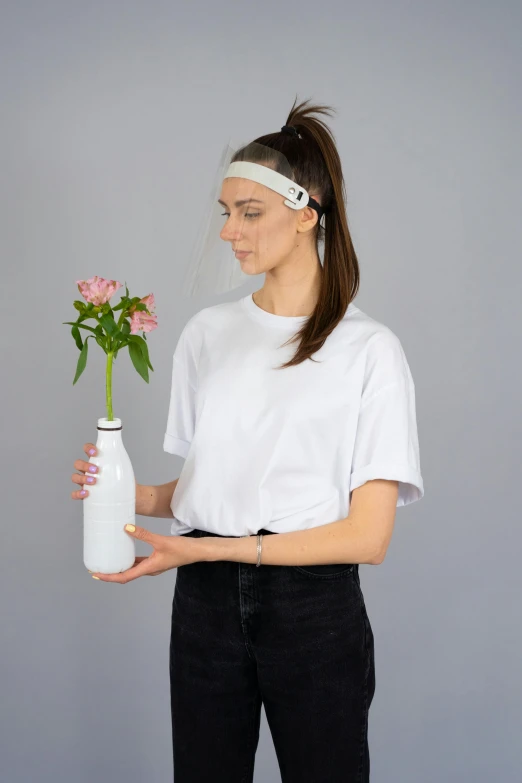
(342, 541)
(154, 501)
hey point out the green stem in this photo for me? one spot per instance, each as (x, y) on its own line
(108, 386)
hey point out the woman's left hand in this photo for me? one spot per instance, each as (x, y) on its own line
(168, 552)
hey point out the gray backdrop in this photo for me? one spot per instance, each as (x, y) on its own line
(113, 119)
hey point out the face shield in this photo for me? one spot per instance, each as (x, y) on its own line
(248, 221)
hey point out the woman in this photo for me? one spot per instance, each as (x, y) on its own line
(295, 461)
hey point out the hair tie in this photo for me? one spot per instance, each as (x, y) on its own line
(290, 130)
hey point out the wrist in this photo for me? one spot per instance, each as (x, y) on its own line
(144, 500)
(212, 548)
(239, 550)
(140, 506)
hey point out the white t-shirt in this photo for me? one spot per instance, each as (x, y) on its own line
(283, 449)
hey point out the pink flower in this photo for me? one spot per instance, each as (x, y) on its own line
(142, 320)
(97, 290)
(149, 302)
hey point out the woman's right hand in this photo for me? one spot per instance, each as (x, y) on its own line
(87, 468)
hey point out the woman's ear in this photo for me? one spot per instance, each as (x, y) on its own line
(308, 216)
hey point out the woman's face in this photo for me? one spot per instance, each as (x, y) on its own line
(263, 225)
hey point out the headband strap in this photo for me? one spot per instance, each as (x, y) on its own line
(296, 197)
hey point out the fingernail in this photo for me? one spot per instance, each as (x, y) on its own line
(130, 527)
(97, 577)
(92, 452)
(83, 492)
(92, 468)
(90, 479)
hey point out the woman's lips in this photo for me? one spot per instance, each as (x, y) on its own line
(242, 254)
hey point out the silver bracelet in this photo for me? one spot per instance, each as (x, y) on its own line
(259, 540)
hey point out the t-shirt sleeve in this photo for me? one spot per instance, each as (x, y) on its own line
(386, 442)
(181, 416)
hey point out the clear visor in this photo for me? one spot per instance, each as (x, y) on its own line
(260, 203)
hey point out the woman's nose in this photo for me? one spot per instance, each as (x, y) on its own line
(230, 231)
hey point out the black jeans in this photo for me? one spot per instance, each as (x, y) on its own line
(295, 639)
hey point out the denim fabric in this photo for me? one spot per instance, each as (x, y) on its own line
(296, 639)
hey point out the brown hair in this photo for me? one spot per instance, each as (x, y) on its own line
(317, 167)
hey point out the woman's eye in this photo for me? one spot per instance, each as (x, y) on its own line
(247, 214)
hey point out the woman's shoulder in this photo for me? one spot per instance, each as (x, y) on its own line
(213, 315)
(207, 316)
(367, 331)
(385, 358)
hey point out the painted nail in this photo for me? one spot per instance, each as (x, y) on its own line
(92, 452)
(82, 492)
(92, 468)
(90, 479)
(97, 577)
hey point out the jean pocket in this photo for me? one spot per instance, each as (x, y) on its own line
(326, 570)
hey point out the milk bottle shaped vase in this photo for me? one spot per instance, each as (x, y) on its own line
(110, 505)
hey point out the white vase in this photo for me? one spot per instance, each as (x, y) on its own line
(110, 504)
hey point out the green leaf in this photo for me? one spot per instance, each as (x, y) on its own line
(117, 345)
(84, 317)
(82, 361)
(80, 306)
(80, 326)
(126, 290)
(140, 342)
(138, 361)
(77, 338)
(125, 327)
(141, 306)
(121, 305)
(109, 324)
(101, 343)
